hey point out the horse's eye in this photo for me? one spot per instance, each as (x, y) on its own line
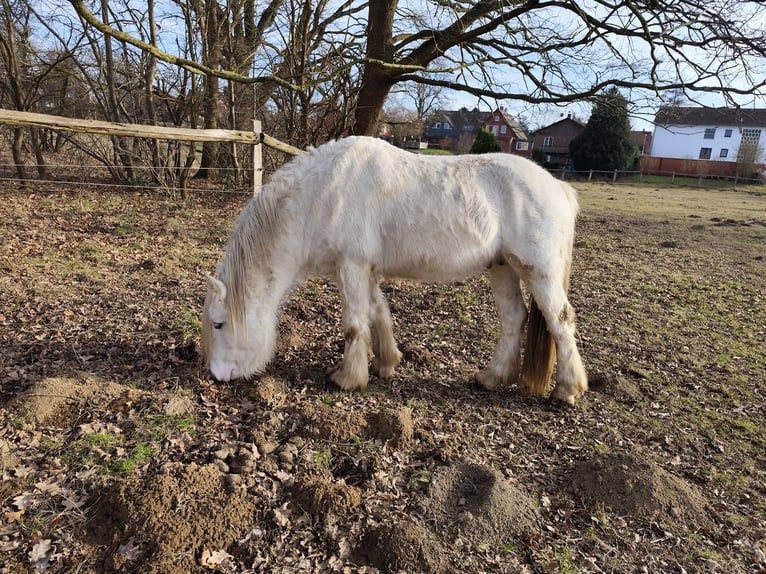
(217, 326)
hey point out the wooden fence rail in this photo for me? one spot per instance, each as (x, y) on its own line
(254, 138)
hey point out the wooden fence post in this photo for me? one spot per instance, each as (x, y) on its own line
(257, 158)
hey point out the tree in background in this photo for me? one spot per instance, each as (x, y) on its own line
(747, 157)
(534, 51)
(605, 143)
(485, 142)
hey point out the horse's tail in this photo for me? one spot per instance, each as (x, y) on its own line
(539, 354)
(539, 350)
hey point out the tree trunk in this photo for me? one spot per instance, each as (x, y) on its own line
(376, 81)
(18, 155)
(121, 155)
(151, 114)
(212, 57)
(42, 167)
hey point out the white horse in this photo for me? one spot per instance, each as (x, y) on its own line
(359, 209)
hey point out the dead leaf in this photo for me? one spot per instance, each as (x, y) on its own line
(282, 515)
(130, 549)
(39, 556)
(24, 500)
(215, 558)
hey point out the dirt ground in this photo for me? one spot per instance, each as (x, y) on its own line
(118, 453)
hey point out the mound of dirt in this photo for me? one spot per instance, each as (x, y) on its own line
(57, 401)
(617, 386)
(633, 485)
(404, 546)
(389, 425)
(172, 523)
(475, 505)
(320, 496)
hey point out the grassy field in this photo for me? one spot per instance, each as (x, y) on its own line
(118, 453)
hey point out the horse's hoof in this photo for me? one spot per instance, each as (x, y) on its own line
(475, 385)
(382, 371)
(557, 403)
(341, 383)
(486, 380)
(569, 395)
(330, 385)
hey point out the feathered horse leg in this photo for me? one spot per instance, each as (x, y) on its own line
(387, 355)
(356, 293)
(550, 297)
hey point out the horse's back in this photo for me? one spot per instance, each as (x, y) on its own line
(434, 218)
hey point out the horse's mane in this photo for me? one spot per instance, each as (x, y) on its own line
(250, 246)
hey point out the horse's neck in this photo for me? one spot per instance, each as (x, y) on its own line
(271, 280)
(274, 240)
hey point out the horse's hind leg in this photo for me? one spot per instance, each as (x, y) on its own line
(571, 378)
(355, 283)
(387, 355)
(503, 368)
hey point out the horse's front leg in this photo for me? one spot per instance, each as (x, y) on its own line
(387, 354)
(355, 284)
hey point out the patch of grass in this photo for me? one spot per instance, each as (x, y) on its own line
(123, 467)
(101, 439)
(323, 459)
(326, 398)
(19, 421)
(188, 325)
(124, 229)
(562, 560)
(118, 454)
(160, 427)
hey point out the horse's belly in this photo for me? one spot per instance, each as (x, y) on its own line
(442, 265)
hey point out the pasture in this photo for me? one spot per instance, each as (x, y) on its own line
(119, 453)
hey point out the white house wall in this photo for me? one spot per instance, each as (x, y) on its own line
(685, 142)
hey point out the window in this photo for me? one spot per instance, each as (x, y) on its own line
(548, 142)
(706, 152)
(503, 129)
(438, 125)
(727, 133)
(709, 133)
(446, 125)
(724, 153)
(522, 146)
(494, 130)
(497, 118)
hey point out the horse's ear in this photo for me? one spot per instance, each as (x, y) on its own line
(216, 286)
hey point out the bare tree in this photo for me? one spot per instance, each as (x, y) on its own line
(29, 74)
(11, 54)
(537, 51)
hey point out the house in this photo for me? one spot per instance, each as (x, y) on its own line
(454, 130)
(551, 143)
(707, 141)
(508, 132)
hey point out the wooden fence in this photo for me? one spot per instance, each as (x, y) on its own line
(256, 138)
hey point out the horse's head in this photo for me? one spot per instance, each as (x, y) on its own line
(238, 340)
